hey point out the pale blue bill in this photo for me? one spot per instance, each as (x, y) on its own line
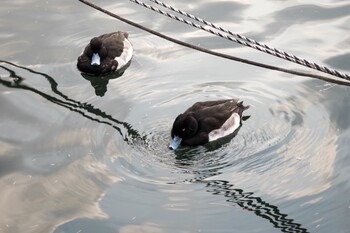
(95, 60)
(175, 143)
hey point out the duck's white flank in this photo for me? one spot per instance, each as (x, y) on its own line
(230, 125)
(126, 56)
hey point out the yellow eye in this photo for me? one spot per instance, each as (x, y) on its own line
(184, 129)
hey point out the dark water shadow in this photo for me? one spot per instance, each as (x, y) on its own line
(247, 201)
(84, 109)
(100, 82)
(238, 197)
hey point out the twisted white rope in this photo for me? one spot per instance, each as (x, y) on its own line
(239, 38)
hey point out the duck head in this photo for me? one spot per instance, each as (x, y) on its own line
(184, 127)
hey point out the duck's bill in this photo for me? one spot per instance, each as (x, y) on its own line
(175, 143)
(95, 60)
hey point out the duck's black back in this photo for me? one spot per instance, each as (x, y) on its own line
(213, 114)
(113, 42)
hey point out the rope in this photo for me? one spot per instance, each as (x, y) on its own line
(241, 39)
(86, 2)
(253, 42)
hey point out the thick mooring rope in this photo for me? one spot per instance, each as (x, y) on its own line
(240, 39)
(345, 83)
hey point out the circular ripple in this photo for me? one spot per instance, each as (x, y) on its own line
(278, 139)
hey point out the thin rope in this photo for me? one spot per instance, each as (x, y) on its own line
(247, 39)
(240, 39)
(86, 2)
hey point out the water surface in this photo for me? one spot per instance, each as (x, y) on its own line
(75, 159)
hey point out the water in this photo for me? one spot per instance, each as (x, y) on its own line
(74, 161)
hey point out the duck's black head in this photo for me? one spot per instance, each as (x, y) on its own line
(185, 126)
(95, 44)
(98, 51)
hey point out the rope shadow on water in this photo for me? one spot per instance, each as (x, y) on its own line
(247, 201)
(132, 135)
(234, 196)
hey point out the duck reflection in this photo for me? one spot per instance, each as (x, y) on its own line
(100, 82)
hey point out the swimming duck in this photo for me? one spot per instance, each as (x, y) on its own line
(206, 121)
(106, 53)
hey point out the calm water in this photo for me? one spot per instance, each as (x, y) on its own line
(75, 161)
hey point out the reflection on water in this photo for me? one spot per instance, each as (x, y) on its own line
(184, 158)
(208, 164)
(247, 201)
(53, 195)
(99, 83)
(73, 105)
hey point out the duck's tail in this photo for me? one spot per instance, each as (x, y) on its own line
(241, 106)
(241, 109)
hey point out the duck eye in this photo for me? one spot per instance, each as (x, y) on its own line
(184, 129)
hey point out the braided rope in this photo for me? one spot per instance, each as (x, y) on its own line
(240, 39)
(222, 55)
